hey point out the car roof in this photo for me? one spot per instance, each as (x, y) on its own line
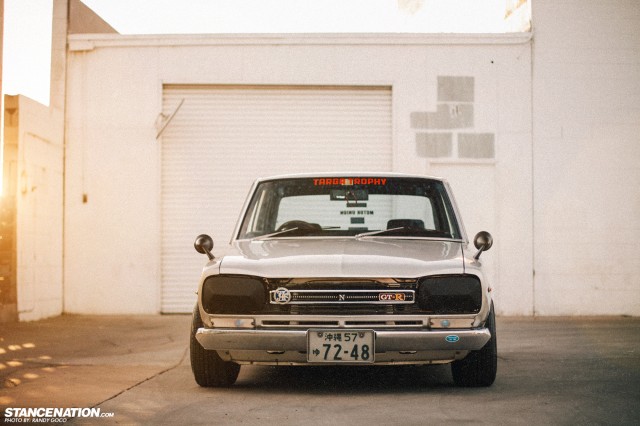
(347, 174)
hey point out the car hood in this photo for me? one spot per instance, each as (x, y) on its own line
(366, 257)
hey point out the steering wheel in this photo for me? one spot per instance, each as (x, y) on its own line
(300, 224)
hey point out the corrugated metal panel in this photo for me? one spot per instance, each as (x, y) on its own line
(223, 138)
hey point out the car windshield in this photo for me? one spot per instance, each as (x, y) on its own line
(385, 207)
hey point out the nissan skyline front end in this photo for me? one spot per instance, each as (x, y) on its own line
(327, 270)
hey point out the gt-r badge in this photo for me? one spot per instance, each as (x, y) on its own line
(398, 297)
(282, 296)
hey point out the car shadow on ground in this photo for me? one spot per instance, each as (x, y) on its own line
(345, 379)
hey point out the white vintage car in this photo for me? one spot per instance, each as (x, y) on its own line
(354, 269)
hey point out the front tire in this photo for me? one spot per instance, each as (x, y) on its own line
(479, 367)
(208, 368)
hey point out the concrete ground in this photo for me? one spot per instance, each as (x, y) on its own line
(551, 371)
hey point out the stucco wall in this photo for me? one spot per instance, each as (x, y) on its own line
(586, 144)
(39, 210)
(450, 88)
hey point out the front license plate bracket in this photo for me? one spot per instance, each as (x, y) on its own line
(341, 346)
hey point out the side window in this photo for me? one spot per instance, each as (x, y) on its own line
(255, 214)
(446, 217)
(259, 217)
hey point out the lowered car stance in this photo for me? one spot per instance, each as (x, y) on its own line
(346, 269)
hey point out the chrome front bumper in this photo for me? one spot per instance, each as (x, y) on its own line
(279, 341)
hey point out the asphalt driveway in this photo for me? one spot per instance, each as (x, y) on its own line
(136, 370)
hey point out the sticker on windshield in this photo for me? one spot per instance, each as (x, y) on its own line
(349, 181)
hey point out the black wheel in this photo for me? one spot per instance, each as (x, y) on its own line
(479, 367)
(208, 368)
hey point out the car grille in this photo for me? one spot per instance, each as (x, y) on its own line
(343, 297)
(447, 294)
(338, 297)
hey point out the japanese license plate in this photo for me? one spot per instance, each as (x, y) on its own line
(341, 346)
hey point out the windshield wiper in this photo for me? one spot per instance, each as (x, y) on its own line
(409, 231)
(380, 232)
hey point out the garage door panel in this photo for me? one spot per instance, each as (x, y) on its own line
(222, 139)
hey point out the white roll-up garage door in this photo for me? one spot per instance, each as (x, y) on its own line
(223, 137)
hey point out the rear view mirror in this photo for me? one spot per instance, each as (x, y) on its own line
(349, 195)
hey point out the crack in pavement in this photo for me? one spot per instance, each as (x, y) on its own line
(182, 358)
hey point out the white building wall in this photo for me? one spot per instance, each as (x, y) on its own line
(459, 86)
(112, 204)
(495, 194)
(39, 211)
(586, 144)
